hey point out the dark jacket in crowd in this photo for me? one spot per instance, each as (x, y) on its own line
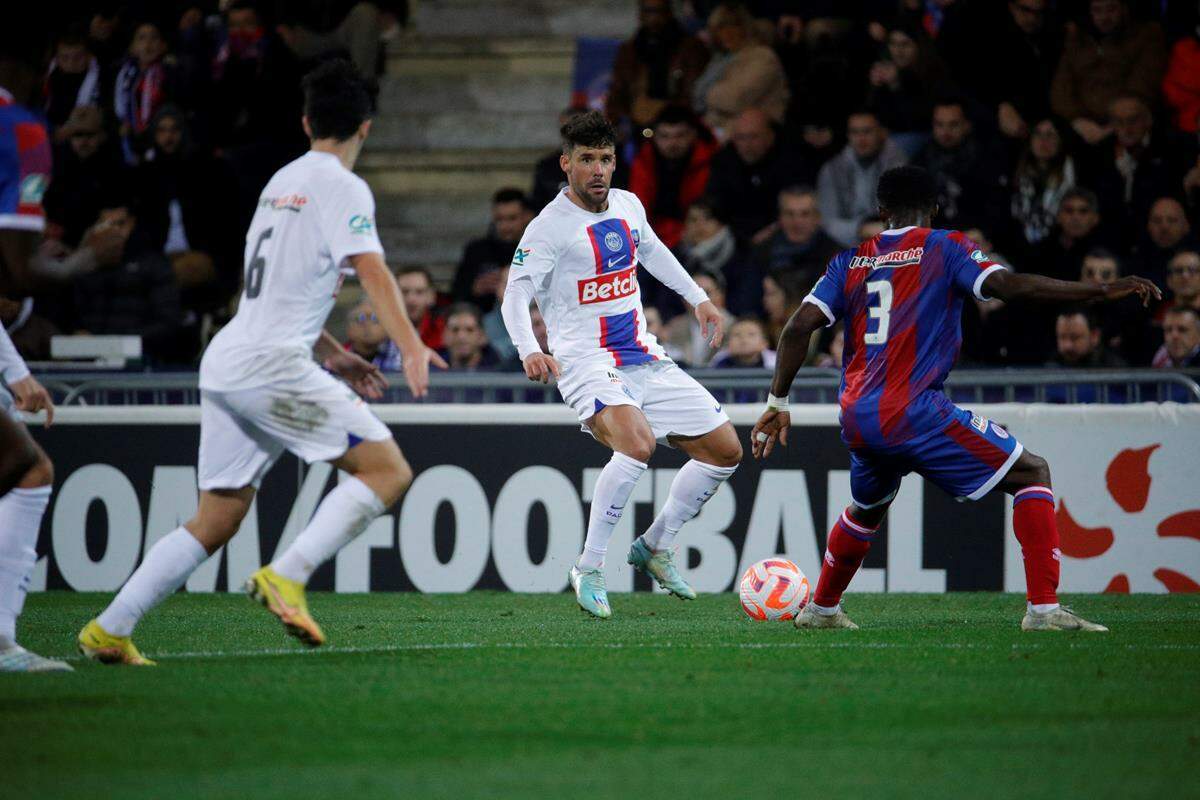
(748, 194)
(479, 256)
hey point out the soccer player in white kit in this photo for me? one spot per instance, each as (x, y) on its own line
(579, 260)
(262, 392)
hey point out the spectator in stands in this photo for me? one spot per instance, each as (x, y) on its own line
(654, 324)
(782, 294)
(798, 244)
(72, 80)
(1167, 230)
(1077, 332)
(1107, 57)
(688, 342)
(671, 170)
(184, 201)
(1181, 340)
(1019, 94)
(747, 347)
(830, 347)
(133, 294)
(748, 174)
(482, 259)
(104, 36)
(1124, 324)
(745, 73)
(1045, 173)
(548, 176)
(654, 69)
(84, 171)
(1137, 165)
(1181, 84)
(466, 345)
(313, 30)
(1060, 254)
(145, 82)
(420, 298)
(254, 105)
(493, 323)
(846, 184)
(1183, 279)
(904, 84)
(709, 246)
(366, 338)
(970, 174)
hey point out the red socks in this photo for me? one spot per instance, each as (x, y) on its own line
(848, 544)
(1033, 522)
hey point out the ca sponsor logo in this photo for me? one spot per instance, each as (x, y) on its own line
(33, 187)
(612, 286)
(520, 256)
(361, 223)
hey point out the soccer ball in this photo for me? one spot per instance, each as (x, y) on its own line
(774, 588)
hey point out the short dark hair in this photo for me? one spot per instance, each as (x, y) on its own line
(1089, 316)
(414, 270)
(464, 308)
(336, 100)
(907, 189)
(675, 115)
(711, 206)
(1081, 193)
(510, 195)
(588, 130)
(1186, 310)
(1104, 254)
(713, 275)
(797, 190)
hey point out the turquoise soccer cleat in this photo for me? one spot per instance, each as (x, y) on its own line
(591, 592)
(661, 567)
(18, 659)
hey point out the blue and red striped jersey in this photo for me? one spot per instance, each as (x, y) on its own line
(901, 296)
(24, 166)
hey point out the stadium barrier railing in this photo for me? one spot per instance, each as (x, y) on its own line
(727, 385)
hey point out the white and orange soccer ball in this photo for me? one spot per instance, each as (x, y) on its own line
(775, 589)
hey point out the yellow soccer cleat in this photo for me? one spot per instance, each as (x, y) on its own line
(285, 599)
(100, 645)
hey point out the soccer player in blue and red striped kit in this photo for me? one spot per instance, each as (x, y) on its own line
(900, 295)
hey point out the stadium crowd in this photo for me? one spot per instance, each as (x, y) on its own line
(1063, 137)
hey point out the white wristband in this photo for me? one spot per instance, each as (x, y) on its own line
(776, 403)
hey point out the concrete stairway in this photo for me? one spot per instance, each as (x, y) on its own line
(469, 103)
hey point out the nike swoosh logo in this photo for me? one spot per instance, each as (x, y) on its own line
(612, 262)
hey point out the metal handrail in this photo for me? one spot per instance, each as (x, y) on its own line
(812, 385)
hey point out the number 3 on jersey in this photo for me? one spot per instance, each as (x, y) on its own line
(256, 267)
(881, 312)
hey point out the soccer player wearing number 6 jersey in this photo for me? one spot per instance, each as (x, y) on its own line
(901, 296)
(261, 392)
(579, 259)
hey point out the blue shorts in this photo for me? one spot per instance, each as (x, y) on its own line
(965, 458)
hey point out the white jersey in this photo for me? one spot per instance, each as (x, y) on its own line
(582, 270)
(312, 215)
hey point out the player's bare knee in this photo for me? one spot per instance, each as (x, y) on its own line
(18, 462)
(730, 453)
(640, 447)
(1040, 469)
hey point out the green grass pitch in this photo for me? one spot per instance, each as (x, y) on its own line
(520, 696)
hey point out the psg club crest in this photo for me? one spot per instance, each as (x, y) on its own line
(612, 240)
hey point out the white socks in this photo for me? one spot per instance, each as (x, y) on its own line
(609, 497)
(695, 483)
(343, 514)
(20, 518)
(164, 569)
(1041, 608)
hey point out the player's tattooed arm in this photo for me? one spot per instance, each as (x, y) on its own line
(773, 425)
(1009, 286)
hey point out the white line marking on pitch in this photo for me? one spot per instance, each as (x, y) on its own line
(433, 646)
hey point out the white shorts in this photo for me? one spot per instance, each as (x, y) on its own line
(243, 432)
(673, 401)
